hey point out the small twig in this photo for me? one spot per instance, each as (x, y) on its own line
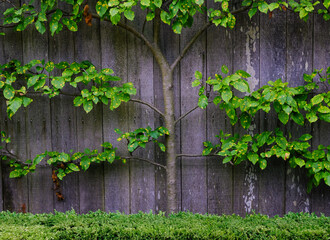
(145, 160)
(199, 155)
(187, 113)
(149, 105)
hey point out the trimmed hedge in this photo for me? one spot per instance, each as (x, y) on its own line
(100, 225)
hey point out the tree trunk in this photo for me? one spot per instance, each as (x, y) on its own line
(168, 92)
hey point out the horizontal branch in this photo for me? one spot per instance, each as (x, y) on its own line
(149, 105)
(146, 160)
(199, 155)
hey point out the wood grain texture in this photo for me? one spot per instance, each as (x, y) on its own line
(89, 126)
(220, 185)
(64, 119)
(140, 72)
(299, 61)
(193, 127)
(116, 175)
(273, 65)
(38, 127)
(246, 56)
(15, 191)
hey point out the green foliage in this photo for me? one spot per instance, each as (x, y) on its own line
(178, 14)
(63, 163)
(266, 145)
(289, 103)
(33, 76)
(100, 225)
(141, 136)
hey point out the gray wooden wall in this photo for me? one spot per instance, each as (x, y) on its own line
(281, 47)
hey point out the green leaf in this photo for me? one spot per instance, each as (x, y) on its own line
(32, 80)
(317, 99)
(78, 101)
(9, 92)
(73, 167)
(202, 101)
(195, 83)
(64, 157)
(88, 106)
(15, 104)
(162, 147)
(226, 160)
(245, 119)
(129, 14)
(273, 6)
(283, 117)
(298, 118)
(305, 137)
(282, 142)
(145, 3)
(26, 101)
(323, 109)
(40, 27)
(226, 95)
(263, 7)
(311, 117)
(15, 174)
(327, 179)
(38, 159)
(224, 69)
(177, 27)
(49, 66)
(58, 82)
(241, 86)
(101, 8)
(253, 157)
(158, 3)
(252, 12)
(300, 162)
(263, 163)
(85, 163)
(198, 75)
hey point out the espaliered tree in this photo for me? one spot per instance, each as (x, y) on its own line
(95, 86)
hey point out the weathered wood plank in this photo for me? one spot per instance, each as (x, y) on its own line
(220, 176)
(193, 133)
(89, 126)
(116, 175)
(63, 120)
(140, 72)
(299, 61)
(38, 127)
(246, 57)
(320, 198)
(15, 193)
(273, 66)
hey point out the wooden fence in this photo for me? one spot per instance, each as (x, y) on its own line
(268, 48)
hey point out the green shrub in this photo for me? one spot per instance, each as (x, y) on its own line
(100, 225)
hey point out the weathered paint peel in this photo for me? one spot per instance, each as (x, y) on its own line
(252, 36)
(250, 184)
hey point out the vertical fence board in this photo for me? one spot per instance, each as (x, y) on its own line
(116, 175)
(15, 191)
(38, 128)
(220, 197)
(299, 61)
(63, 115)
(194, 170)
(273, 66)
(140, 72)
(89, 126)
(246, 57)
(320, 197)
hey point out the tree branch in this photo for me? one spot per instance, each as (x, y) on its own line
(149, 105)
(130, 29)
(197, 34)
(198, 155)
(187, 113)
(146, 160)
